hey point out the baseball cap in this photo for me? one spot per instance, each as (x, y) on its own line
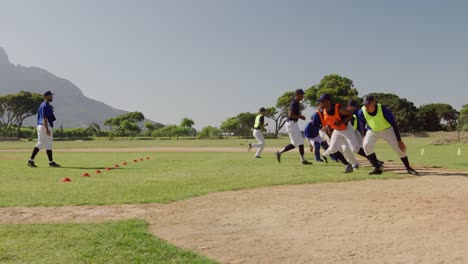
(299, 91)
(367, 99)
(323, 97)
(353, 102)
(48, 93)
(262, 109)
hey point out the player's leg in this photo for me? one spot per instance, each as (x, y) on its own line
(288, 147)
(49, 140)
(37, 148)
(261, 143)
(368, 144)
(389, 136)
(349, 155)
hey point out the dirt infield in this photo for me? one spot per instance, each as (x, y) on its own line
(413, 220)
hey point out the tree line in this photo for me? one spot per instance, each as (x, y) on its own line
(15, 108)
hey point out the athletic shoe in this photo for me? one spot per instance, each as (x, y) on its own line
(257, 157)
(319, 160)
(348, 168)
(356, 167)
(381, 163)
(412, 172)
(325, 159)
(250, 147)
(53, 164)
(278, 156)
(376, 171)
(31, 164)
(306, 162)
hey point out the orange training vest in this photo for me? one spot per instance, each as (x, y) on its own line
(330, 120)
(321, 118)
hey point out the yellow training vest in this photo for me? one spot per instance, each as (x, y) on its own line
(355, 122)
(257, 121)
(378, 122)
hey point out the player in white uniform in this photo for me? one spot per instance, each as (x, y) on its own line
(295, 136)
(259, 127)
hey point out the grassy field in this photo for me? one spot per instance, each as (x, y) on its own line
(114, 242)
(165, 177)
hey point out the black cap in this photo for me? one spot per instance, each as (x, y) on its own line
(353, 102)
(367, 99)
(262, 109)
(299, 91)
(323, 97)
(48, 93)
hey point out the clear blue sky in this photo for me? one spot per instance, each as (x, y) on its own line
(211, 59)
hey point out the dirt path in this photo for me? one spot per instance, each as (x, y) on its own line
(413, 220)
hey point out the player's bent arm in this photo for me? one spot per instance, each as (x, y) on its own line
(295, 116)
(347, 115)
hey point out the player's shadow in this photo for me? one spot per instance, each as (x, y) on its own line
(429, 172)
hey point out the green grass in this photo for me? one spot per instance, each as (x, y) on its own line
(112, 242)
(164, 178)
(170, 177)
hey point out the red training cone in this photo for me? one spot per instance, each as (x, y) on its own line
(116, 166)
(135, 160)
(124, 163)
(85, 174)
(108, 168)
(66, 180)
(98, 171)
(147, 157)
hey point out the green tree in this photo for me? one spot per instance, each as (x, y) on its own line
(15, 108)
(94, 129)
(230, 125)
(340, 88)
(187, 122)
(125, 125)
(436, 117)
(209, 132)
(464, 118)
(403, 110)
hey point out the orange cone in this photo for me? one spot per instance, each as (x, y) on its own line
(116, 166)
(86, 174)
(98, 171)
(108, 168)
(66, 180)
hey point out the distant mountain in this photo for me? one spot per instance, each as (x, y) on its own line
(72, 108)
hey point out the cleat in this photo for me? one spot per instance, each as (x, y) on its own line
(356, 167)
(325, 159)
(348, 168)
(258, 157)
(278, 156)
(305, 162)
(376, 171)
(319, 160)
(31, 164)
(250, 147)
(412, 172)
(53, 164)
(381, 163)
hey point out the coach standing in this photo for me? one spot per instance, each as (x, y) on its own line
(292, 127)
(45, 123)
(380, 123)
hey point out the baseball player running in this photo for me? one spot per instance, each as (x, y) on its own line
(337, 118)
(259, 127)
(45, 123)
(312, 134)
(380, 123)
(292, 128)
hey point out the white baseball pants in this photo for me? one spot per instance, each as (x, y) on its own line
(294, 133)
(43, 140)
(257, 133)
(388, 135)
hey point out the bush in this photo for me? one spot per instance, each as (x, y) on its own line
(210, 132)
